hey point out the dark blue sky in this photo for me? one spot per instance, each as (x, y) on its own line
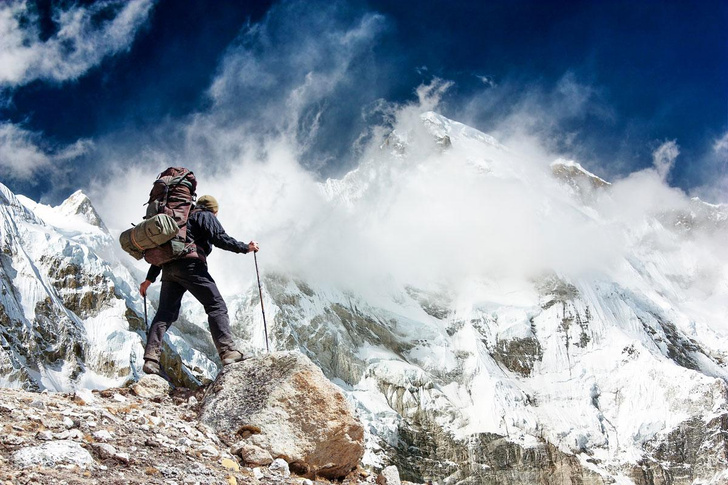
(605, 82)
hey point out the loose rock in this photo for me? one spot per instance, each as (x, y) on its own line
(151, 386)
(230, 464)
(123, 457)
(252, 455)
(53, 453)
(102, 435)
(280, 467)
(104, 450)
(389, 476)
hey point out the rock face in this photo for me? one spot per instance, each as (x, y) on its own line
(283, 404)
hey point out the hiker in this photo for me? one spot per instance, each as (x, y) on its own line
(189, 273)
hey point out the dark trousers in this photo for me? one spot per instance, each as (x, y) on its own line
(177, 278)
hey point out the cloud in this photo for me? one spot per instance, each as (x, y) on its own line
(83, 36)
(24, 154)
(720, 146)
(556, 113)
(488, 81)
(303, 72)
(20, 155)
(663, 159)
(714, 168)
(408, 209)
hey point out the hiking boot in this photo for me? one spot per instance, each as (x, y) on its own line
(230, 357)
(151, 367)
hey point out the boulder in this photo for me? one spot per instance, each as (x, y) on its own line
(283, 404)
(151, 386)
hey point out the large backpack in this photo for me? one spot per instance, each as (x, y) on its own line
(162, 236)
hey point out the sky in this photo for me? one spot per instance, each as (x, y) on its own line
(87, 88)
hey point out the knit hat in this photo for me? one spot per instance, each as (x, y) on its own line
(208, 202)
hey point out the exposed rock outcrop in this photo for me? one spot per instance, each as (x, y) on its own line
(283, 404)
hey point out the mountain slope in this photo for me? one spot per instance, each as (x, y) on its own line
(605, 337)
(66, 301)
(494, 317)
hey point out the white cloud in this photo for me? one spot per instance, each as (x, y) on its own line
(488, 81)
(80, 42)
(20, 155)
(515, 109)
(663, 159)
(301, 57)
(427, 216)
(73, 151)
(412, 216)
(430, 95)
(721, 145)
(715, 190)
(23, 154)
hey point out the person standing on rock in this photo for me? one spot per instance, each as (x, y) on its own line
(190, 274)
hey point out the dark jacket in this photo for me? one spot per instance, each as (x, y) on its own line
(205, 230)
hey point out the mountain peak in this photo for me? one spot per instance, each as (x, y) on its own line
(569, 171)
(16, 205)
(79, 204)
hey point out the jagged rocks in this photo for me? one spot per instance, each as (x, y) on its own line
(282, 403)
(518, 355)
(485, 458)
(691, 453)
(64, 299)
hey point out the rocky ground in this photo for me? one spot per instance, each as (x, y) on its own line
(141, 434)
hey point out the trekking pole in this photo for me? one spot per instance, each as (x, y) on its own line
(146, 323)
(260, 292)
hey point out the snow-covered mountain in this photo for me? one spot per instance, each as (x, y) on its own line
(619, 362)
(562, 329)
(70, 311)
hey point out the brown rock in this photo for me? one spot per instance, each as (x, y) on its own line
(151, 386)
(285, 405)
(253, 455)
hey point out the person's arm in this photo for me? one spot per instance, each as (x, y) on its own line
(223, 241)
(151, 277)
(220, 239)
